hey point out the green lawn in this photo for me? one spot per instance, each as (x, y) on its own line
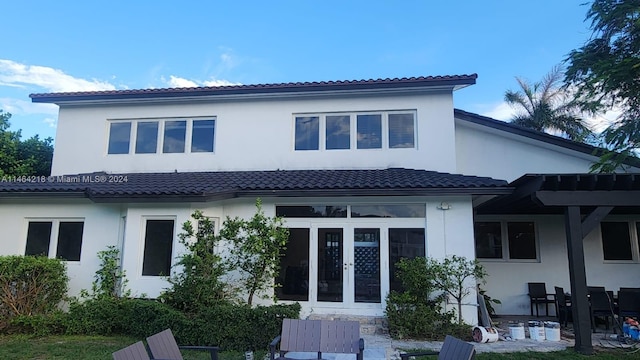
(20, 347)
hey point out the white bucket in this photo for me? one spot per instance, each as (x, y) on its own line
(552, 330)
(536, 331)
(516, 330)
(485, 335)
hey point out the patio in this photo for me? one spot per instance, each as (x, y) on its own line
(378, 347)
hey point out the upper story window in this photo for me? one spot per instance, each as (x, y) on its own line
(511, 240)
(55, 238)
(370, 130)
(147, 137)
(166, 136)
(202, 135)
(307, 136)
(119, 137)
(338, 132)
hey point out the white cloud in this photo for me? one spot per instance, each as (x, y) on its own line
(175, 81)
(22, 107)
(51, 122)
(219, 83)
(501, 111)
(50, 79)
(600, 122)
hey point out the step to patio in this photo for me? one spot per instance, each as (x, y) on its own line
(369, 325)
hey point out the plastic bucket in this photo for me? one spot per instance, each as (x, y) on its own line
(485, 335)
(536, 330)
(552, 330)
(516, 330)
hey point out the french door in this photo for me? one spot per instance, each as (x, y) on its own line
(348, 264)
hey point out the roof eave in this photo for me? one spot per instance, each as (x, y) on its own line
(251, 93)
(218, 196)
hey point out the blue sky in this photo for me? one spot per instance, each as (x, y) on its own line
(53, 46)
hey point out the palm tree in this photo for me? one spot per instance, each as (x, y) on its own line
(547, 107)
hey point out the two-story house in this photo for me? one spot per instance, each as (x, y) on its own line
(364, 173)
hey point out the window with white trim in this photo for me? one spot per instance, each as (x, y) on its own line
(158, 247)
(150, 136)
(60, 239)
(508, 240)
(361, 130)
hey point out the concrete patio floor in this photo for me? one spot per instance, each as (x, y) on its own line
(379, 347)
(383, 347)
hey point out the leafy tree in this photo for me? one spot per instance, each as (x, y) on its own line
(546, 107)
(606, 73)
(257, 245)
(456, 276)
(29, 157)
(198, 282)
(37, 155)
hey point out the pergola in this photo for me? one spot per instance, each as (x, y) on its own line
(584, 199)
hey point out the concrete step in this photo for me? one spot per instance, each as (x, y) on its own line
(369, 325)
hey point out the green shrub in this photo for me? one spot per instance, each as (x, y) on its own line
(409, 318)
(100, 316)
(39, 325)
(232, 327)
(110, 280)
(417, 312)
(419, 281)
(147, 317)
(197, 283)
(237, 327)
(30, 285)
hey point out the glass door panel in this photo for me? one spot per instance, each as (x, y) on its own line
(404, 243)
(330, 265)
(294, 267)
(366, 265)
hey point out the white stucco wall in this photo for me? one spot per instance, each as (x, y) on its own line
(101, 227)
(257, 135)
(449, 232)
(484, 151)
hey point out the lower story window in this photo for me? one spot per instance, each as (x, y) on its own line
(43, 236)
(403, 244)
(616, 240)
(514, 240)
(158, 247)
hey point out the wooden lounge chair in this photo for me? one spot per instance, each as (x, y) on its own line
(452, 349)
(318, 336)
(164, 346)
(135, 351)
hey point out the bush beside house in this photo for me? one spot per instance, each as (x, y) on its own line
(418, 312)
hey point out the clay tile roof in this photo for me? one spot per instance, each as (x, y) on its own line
(291, 87)
(203, 186)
